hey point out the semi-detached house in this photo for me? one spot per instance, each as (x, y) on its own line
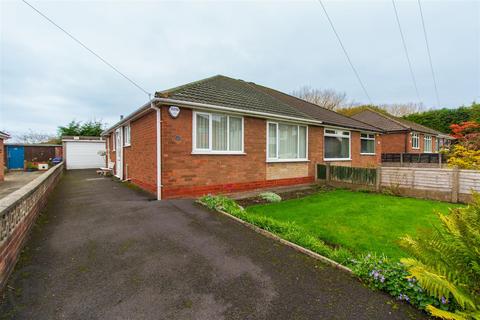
(403, 136)
(221, 135)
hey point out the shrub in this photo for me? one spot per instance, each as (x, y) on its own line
(393, 277)
(270, 197)
(286, 230)
(447, 261)
(464, 158)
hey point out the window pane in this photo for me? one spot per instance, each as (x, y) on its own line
(288, 141)
(272, 140)
(302, 147)
(202, 131)
(219, 132)
(368, 146)
(336, 147)
(235, 134)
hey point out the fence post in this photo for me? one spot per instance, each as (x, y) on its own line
(439, 160)
(378, 182)
(455, 184)
(401, 159)
(327, 173)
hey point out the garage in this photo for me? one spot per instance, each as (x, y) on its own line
(84, 152)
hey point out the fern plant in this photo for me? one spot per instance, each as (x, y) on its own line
(446, 261)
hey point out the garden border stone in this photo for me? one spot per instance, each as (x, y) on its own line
(292, 245)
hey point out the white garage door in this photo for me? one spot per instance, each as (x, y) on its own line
(84, 155)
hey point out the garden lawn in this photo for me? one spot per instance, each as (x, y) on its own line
(359, 221)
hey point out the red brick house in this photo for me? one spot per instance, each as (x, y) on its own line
(403, 136)
(221, 135)
(3, 136)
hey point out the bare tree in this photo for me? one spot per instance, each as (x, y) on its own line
(325, 98)
(403, 109)
(32, 137)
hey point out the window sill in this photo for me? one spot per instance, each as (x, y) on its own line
(209, 153)
(286, 160)
(127, 145)
(337, 159)
(368, 154)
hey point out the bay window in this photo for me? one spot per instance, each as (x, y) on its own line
(367, 143)
(217, 133)
(286, 142)
(337, 144)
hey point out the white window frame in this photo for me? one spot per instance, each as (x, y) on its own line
(276, 159)
(415, 136)
(127, 142)
(338, 133)
(369, 139)
(209, 150)
(427, 140)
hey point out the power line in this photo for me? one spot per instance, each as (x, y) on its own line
(429, 55)
(406, 52)
(88, 49)
(345, 52)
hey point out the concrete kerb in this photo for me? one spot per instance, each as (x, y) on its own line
(292, 245)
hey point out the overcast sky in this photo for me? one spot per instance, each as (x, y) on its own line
(47, 79)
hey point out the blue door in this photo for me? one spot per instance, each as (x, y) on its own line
(15, 157)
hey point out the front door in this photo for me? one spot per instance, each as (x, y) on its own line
(15, 157)
(119, 153)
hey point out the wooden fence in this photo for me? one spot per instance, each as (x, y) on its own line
(451, 185)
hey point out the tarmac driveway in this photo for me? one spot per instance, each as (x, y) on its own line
(104, 251)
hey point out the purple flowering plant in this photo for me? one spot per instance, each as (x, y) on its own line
(380, 273)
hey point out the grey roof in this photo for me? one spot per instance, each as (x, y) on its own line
(227, 92)
(247, 96)
(390, 123)
(317, 112)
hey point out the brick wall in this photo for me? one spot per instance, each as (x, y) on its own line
(20, 210)
(186, 174)
(140, 158)
(395, 142)
(2, 160)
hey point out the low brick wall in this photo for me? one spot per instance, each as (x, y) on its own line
(18, 212)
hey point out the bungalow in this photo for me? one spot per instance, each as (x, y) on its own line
(3, 136)
(403, 136)
(221, 135)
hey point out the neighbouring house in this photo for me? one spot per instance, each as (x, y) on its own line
(3, 136)
(403, 136)
(222, 135)
(18, 155)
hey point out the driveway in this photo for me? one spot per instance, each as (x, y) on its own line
(105, 251)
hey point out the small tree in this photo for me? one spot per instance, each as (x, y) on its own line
(446, 261)
(91, 128)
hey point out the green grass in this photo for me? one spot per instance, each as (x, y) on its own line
(361, 222)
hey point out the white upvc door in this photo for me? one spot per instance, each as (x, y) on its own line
(119, 153)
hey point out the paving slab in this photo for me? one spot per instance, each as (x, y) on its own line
(106, 251)
(14, 180)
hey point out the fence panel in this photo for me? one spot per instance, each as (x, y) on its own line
(365, 176)
(469, 180)
(432, 183)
